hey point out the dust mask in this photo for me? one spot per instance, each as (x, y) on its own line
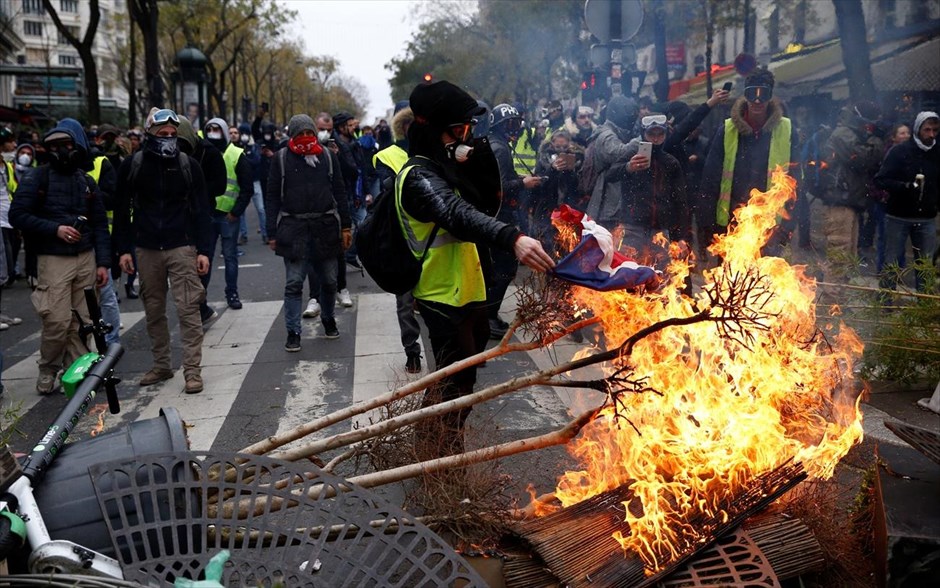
(24, 159)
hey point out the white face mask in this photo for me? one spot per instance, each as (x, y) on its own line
(268, 137)
(24, 159)
(8, 156)
(214, 135)
(243, 138)
(323, 137)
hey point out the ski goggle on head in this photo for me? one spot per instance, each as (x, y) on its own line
(653, 120)
(461, 131)
(758, 94)
(165, 116)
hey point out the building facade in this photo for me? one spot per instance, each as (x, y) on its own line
(46, 73)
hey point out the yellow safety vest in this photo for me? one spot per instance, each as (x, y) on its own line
(393, 156)
(11, 180)
(451, 273)
(779, 155)
(523, 155)
(95, 174)
(226, 202)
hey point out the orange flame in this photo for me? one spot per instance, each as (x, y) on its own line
(99, 410)
(728, 411)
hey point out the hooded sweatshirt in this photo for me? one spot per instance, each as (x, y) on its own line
(897, 174)
(207, 156)
(46, 199)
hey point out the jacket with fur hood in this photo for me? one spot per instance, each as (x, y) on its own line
(750, 165)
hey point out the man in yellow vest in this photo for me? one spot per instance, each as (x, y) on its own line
(450, 188)
(229, 206)
(745, 151)
(387, 163)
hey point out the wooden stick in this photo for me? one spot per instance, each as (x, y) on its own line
(881, 290)
(559, 437)
(275, 441)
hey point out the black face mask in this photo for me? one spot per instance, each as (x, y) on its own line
(166, 147)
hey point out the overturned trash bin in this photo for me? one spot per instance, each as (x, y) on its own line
(66, 496)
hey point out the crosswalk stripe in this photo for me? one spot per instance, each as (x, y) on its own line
(379, 355)
(229, 349)
(19, 380)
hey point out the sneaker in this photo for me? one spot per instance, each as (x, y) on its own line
(344, 298)
(413, 364)
(193, 384)
(10, 320)
(207, 314)
(329, 328)
(4, 326)
(155, 376)
(313, 309)
(498, 328)
(45, 384)
(131, 291)
(233, 301)
(293, 342)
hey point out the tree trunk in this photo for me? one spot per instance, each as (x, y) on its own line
(146, 14)
(132, 77)
(709, 9)
(83, 46)
(855, 55)
(661, 87)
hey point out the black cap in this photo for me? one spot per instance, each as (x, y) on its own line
(442, 103)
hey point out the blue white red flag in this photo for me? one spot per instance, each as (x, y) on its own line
(595, 263)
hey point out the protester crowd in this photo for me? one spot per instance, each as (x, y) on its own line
(140, 211)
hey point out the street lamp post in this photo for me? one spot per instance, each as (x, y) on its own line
(190, 81)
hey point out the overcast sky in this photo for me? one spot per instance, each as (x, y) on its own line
(363, 35)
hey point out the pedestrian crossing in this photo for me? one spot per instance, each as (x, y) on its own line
(253, 388)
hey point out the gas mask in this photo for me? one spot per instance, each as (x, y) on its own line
(459, 152)
(63, 159)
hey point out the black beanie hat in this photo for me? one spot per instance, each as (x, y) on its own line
(441, 104)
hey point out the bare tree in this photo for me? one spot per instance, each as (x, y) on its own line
(84, 47)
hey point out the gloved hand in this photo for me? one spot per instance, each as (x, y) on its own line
(347, 238)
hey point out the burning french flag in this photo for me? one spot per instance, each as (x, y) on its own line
(595, 263)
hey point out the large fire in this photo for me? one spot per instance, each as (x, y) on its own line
(730, 409)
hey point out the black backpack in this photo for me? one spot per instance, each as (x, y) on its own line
(381, 245)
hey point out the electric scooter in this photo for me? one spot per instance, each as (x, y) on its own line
(20, 518)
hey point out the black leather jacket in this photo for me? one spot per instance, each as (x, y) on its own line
(428, 197)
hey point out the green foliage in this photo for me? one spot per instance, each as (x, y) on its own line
(903, 341)
(503, 51)
(10, 415)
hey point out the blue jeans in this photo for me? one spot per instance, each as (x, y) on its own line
(923, 236)
(293, 291)
(229, 233)
(258, 200)
(107, 301)
(357, 215)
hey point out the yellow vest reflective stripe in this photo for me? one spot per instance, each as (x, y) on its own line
(779, 155)
(523, 155)
(226, 202)
(95, 174)
(393, 156)
(11, 180)
(451, 273)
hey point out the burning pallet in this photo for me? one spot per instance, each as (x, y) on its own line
(577, 542)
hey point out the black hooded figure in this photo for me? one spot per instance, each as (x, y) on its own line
(448, 191)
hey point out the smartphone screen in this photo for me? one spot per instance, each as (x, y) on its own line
(646, 149)
(727, 87)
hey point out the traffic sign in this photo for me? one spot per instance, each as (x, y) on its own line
(601, 18)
